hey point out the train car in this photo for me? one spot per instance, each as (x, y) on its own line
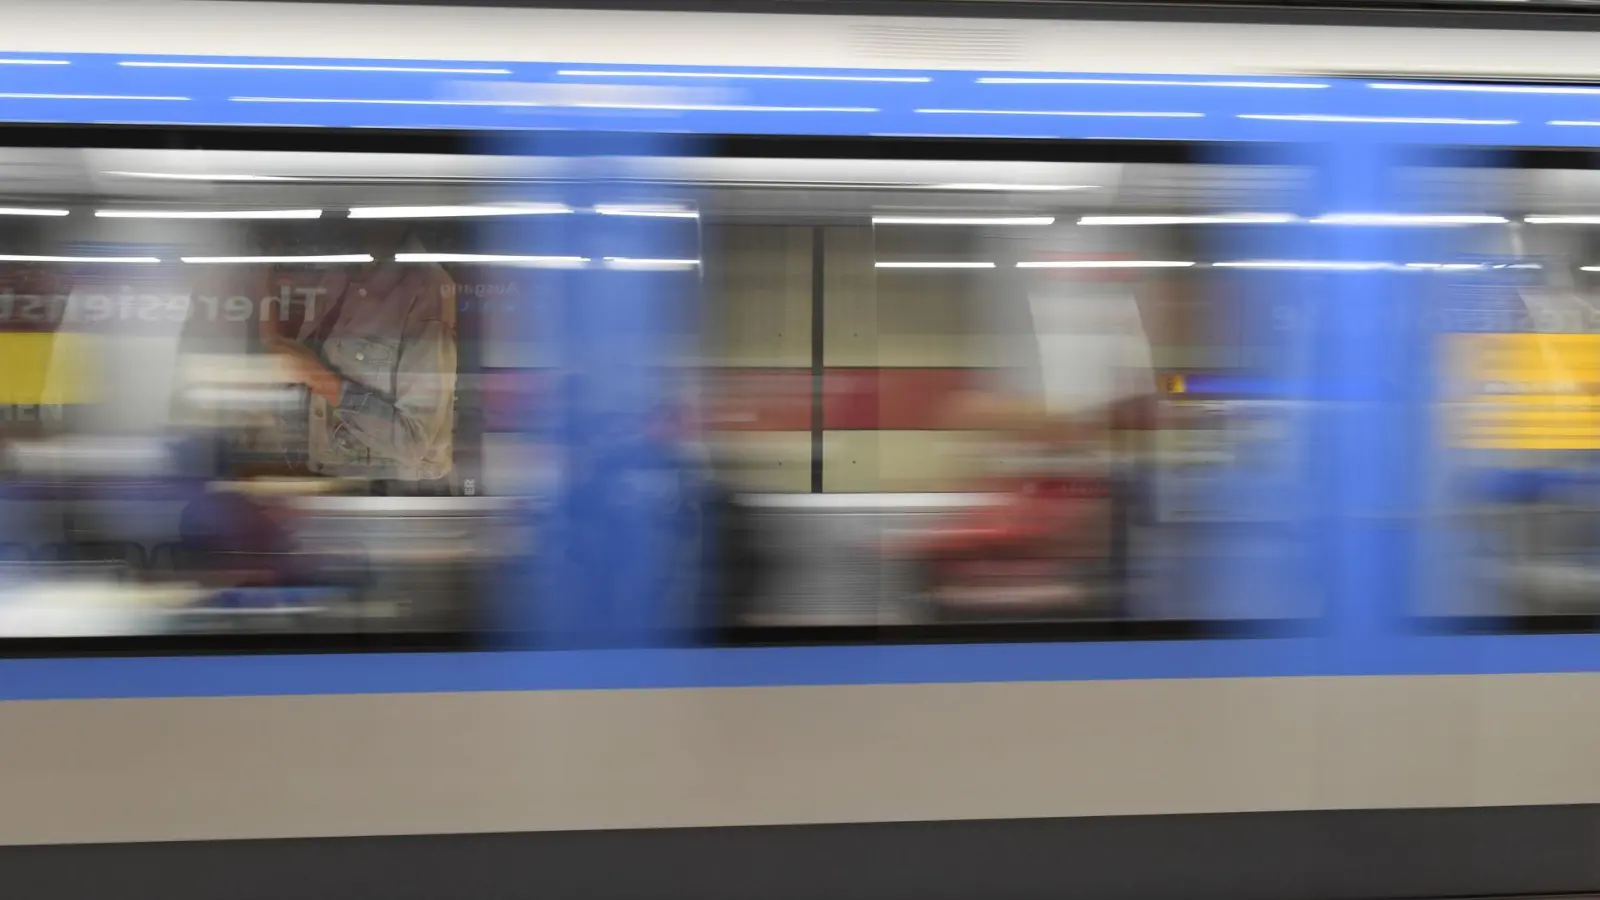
(803, 454)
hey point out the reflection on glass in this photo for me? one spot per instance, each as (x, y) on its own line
(229, 409)
(1520, 423)
(954, 408)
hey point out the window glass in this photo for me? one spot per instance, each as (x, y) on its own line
(986, 395)
(247, 395)
(1518, 418)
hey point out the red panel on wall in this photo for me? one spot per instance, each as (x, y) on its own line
(893, 399)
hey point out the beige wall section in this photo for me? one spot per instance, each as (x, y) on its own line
(778, 461)
(169, 769)
(903, 317)
(758, 295)
(850, 298)
(897, 461)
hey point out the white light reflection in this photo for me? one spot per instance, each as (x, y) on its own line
(15, 96)
(304, 67)
(1278, 85)
(1407, 219)
(1223, 219)
(1372, 120)
(305, 260)
(1562, 220)
(1332, 265)
(19, 257)
(1110, 114)
(933, 265)
(751, 76)
(452, 212)
(647, 212)
(31, 211)
(644, 264)
(963, 220)
(208, 213)
(537, 262)
(35, 62)
(1105, 264)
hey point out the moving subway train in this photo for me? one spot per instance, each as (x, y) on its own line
(805, 455)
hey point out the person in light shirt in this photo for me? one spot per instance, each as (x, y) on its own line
(375, 346)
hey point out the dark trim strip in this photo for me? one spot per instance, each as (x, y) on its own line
(1540, 15)
(1508, 157)
(244, 644)
(1375, 854)
(979, 632)
(819, 271)
(1555, 623)
(445, 141)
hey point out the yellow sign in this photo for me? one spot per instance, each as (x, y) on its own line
(1177, 384)
(1526, 391)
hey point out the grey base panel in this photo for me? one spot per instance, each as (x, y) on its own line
(1312, 855)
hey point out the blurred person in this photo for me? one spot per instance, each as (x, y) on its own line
(1065, 475)
(1036, 546)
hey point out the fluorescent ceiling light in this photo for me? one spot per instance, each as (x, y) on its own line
(1406, 219)
(1581, 123)
(324, 258)
(450, 212)
(1224, 219)
(1590, 268)
(1311, 264)
(1562, 220)
(1064, 112)
(1373, 120)
(1159, 82)
(631, 262)
(35, 62)
(208, 213)
(963, 220)
(649, 212)
(754, 76)
(554, 262)
(19, 257)
(1105, 264)
(31, 211)
(934, 265)
(303, 67)
(1446, 267)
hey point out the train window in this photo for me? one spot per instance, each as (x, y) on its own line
(1518, 429)
(991, 398)
(247, 402)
